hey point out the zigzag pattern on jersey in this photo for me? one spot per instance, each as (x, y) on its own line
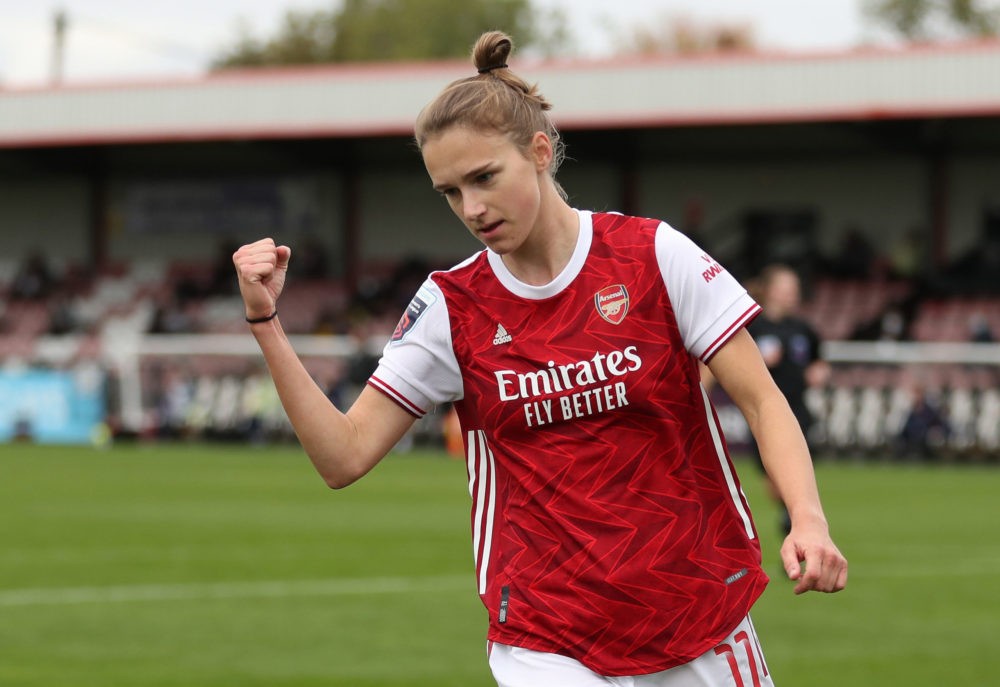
(618, 534)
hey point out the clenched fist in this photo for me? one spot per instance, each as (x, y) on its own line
(261, 268)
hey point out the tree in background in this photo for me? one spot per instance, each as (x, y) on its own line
(375, 30)
(935, 20)
(683, 35)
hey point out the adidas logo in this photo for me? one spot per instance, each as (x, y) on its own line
(501, 337)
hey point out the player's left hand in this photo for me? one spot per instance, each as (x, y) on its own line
(812, 560)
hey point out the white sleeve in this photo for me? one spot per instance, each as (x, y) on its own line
(418, 369)
(709, 304)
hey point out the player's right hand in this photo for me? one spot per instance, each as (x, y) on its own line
(261, 268)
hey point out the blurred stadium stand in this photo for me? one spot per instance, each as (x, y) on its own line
(872, 172)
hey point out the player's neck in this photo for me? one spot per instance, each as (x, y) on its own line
(549, 248)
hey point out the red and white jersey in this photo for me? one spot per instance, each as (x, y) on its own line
(608, 523)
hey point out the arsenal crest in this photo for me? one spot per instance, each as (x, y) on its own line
(612, 303)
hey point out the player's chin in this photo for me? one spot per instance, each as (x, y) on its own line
(498, 245)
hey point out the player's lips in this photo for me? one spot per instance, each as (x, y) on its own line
(488, 229)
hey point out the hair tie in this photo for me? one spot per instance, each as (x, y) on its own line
(486, 70)
(258, 320)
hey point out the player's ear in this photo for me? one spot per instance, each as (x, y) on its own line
(541, 151)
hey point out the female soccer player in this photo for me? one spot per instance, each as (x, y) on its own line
(613, 544)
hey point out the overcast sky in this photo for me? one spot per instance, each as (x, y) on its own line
(129, 39)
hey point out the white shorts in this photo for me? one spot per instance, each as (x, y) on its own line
(737, 662)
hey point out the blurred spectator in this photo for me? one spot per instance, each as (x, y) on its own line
(214, 279)
(170, 316)
(253, 421)
(856, 256)
(310, 260)
(925, 430)
(34, 279)
(360, 366)
(334, 385)
(892, 324)
(406, 279)
(62, 315)
(979, 329)
(976, 271)
(221, 281)
(908, 256)
(173, 395)
(332, 319)
(23, 432)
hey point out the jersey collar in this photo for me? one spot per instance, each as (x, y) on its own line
(563, 279)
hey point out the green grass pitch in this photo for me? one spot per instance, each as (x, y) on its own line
(192, 565)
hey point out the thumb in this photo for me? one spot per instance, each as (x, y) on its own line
(284, 254)
(792, 563)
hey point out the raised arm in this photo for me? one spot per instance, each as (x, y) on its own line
(342, 446)
(808, 553)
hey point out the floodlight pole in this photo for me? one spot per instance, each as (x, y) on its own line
(60, 23)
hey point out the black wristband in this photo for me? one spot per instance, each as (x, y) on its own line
(258, 320)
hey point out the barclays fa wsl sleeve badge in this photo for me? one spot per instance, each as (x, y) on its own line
(612, 303)
(417, 307)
